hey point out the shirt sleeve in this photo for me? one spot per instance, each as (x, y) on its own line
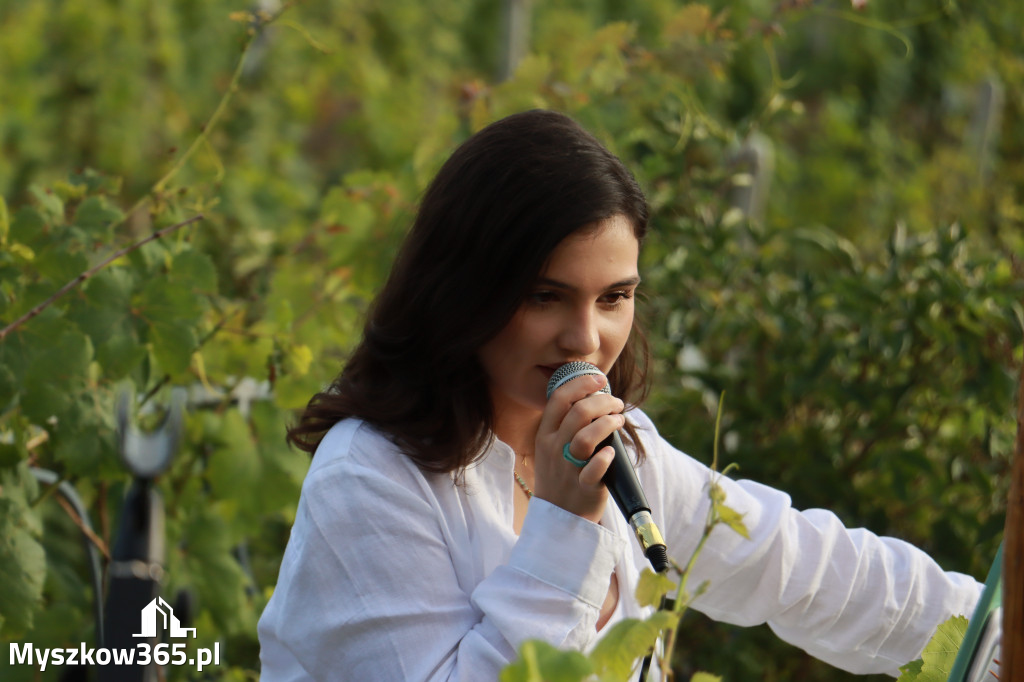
(368, 589)
(858, 601)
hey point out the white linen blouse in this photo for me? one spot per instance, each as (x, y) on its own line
(394, 574)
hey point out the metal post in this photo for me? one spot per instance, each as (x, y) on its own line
(515, 36)
(1012, 663)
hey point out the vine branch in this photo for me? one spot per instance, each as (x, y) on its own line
(92, 271)
(86, 531)
(258, 21)
(714, 517)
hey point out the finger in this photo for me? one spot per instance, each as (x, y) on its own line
(567, 395)
(586, 440)
(595, 405)
(587, 410)
(591, 475)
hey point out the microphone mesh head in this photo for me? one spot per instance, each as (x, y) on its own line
(570, 371)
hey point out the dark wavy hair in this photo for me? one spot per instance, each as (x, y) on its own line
(486, 226)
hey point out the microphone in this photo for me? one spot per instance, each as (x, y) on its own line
(620, 479)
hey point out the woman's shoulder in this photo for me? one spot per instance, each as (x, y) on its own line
(351, 437)
(355, 449)
(658, 451)
(645, 429)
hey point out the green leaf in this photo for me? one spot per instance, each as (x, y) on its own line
(168, 299)
(57, 373)
(60, 264)
(105, 314)
(29, 227)
(97, 218)
(235, 467)
(938, 656)
(618, 650)
(344, 208)
(105, 308)
(540, 662)
(941, 651)
(95, 182)
(732, 518)
(350, 217)
(22, 558)
(298, 358)
(120, 354)
(84, 442)
(911, 672)
(705, 677)
(196, 271)
(292, 391)
(66, 358)
(652, 587)
(173, 345)
(69, 192)
(49, 202)
(172, 310)
(284, 468)
(210, 567)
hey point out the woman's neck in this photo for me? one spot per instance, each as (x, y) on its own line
(516, 426)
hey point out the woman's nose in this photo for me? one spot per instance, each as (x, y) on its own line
(580, 334)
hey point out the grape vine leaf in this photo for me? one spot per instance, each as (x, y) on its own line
(938, 656)
(97, 217)
(705, 677)
(651, 587)
(540, 662)
(733, 519)
(618, 650)
(22, 558)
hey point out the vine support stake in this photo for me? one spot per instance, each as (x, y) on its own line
(1013, 558)
(92, 271)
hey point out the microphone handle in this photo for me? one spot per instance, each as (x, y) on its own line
(622, 483)
(621, 479)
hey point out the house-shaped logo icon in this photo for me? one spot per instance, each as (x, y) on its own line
(159, 610)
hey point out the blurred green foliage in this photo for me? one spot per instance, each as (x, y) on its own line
(862, 312)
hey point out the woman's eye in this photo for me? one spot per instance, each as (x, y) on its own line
(542, 297)
(617, 297)
(611, 299)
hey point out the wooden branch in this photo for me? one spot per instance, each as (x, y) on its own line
(86, 531)
(90, 272)
(1012, 662)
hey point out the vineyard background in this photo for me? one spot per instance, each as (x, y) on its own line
(839, 213)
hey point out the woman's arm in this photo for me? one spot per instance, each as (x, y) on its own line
(861, 602)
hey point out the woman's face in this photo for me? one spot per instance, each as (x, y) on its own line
(580, 308)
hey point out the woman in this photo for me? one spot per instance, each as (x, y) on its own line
(442, 524)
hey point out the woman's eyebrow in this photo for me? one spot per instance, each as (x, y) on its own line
(556, 284)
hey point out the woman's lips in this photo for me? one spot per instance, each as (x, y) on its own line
(548, 370)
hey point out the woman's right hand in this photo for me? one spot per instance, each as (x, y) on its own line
(576, 414)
